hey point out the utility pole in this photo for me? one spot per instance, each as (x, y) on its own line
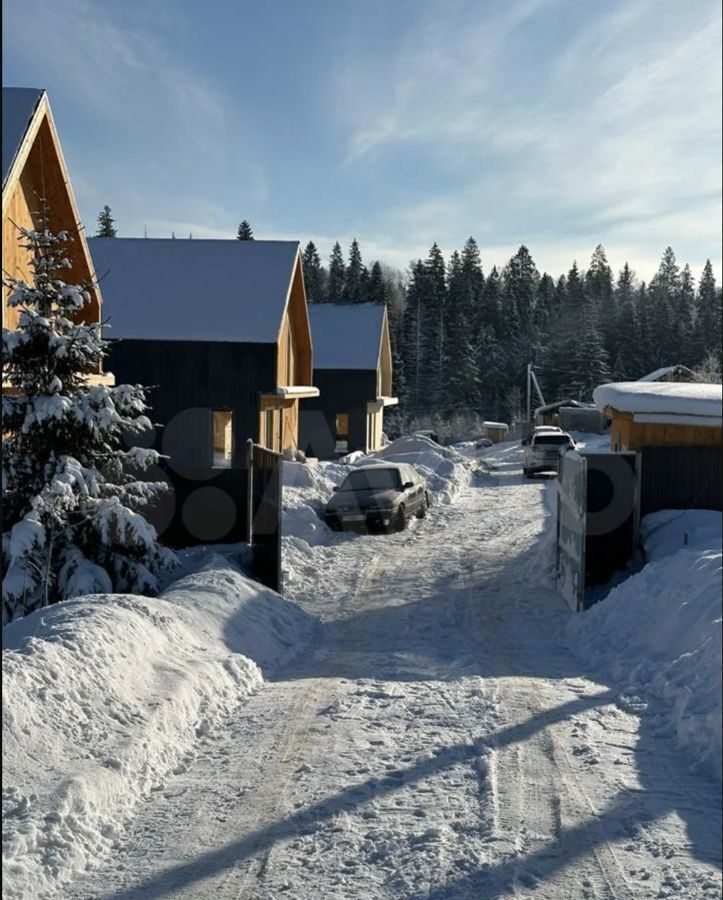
(529, 392)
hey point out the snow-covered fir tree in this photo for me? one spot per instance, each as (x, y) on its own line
(245, 232)
(72, 507)
(106, 224)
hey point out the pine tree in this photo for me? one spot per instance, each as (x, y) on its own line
(245, 233)
(106, 224)
(337, 270)
(354, 276)
(313, 273)
(71, 505)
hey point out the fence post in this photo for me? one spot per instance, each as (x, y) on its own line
(250, 489)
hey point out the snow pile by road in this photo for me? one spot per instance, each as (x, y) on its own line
(104, 698)
(445, 470)
(659, 632)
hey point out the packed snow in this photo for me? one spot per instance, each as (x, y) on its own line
(658, 633)
(675, 398)
(104, 699)
(444, 735)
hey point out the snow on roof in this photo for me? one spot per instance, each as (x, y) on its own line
(196, 290)
(346, 335)
(19, 105)
(667, 370)
(667, 397)
(558, 404)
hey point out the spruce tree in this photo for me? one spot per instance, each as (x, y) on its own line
(354, 276)
(663, 290)
(708, 320)
(337, 269)
(434, 300)
(413, 346)
(71, 507)
(461, 365)
(106, 224)
(626, 358)
(313, 273)
(599, 287)
(376, 288)
(245, 232)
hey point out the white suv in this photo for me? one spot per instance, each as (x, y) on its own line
(543, 452)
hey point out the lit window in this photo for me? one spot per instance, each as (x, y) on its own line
(342, 426)
(222, 438)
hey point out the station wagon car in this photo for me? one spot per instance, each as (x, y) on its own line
(380, 497)
(543, 452)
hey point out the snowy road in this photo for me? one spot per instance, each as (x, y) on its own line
(437, 741)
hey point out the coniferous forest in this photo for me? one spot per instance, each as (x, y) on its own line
(462, 336)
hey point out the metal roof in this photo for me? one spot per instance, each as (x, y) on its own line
(346, 335)
(194, 289)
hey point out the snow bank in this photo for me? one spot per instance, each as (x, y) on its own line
(104, 698)
(696, 399)
(445, 470)
(659, 632)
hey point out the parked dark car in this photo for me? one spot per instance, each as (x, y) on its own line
(378, 498)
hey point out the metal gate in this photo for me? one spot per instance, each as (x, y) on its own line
(598, 510)
(264, 513)
(571, 521)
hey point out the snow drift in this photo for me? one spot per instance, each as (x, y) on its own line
(105, 696)
(659, 632)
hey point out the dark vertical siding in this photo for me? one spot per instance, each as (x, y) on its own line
(189, 379)
(340, 391)
(681, 478)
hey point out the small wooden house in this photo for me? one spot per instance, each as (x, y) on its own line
(549, 414)
(496, 431)
(661, 414)
(677, 373)
(353, 371)
(219, 329)
(34, 171)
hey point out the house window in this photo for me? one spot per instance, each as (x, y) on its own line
(222, 438)
(342, 432)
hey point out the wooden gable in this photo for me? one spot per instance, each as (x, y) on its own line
(294, 365)
(38, 170)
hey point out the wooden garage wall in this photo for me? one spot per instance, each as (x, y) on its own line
(626, 434)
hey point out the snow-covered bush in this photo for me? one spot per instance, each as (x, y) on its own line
(72, 505)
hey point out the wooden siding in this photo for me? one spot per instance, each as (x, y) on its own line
(384, 378)
(625, 434)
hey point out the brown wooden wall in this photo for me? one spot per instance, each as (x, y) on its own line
(625, 434)
(43, 174)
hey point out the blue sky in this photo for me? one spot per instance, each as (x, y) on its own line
(555, 123)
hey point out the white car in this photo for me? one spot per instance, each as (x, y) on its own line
(543, 452)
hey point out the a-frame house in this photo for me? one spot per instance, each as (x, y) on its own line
(33, 170)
